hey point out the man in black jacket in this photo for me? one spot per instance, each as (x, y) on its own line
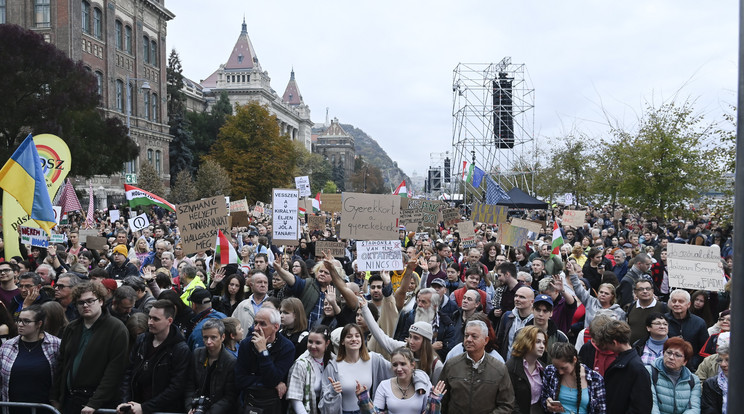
(212, 373)
(120, 266)
(158, 365)
(627, 382)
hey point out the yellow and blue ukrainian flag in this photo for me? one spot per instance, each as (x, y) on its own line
(23, 179)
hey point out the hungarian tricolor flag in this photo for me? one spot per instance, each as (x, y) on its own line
(140, 197)
(224, 252)
(316, 203)
(401, 190)
(557, 239)
(301, 211)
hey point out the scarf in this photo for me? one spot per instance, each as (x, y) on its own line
(723, 383)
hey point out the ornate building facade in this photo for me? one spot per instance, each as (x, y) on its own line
(244, 81)
(337, 146)
(123, 43)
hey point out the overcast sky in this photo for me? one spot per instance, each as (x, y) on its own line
(387, 66)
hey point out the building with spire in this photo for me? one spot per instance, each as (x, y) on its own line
(243, 79)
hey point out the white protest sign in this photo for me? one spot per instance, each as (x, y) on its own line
(239, 205)
(303, 185)
(285, 225)
(58, 238)
(33, 236)
(57, 213)
(695, 267)
(114, 215)
(574, 218)
(568, 198)
(379, 255)
(139, 222)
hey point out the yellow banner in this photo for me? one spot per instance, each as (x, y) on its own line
(55, 159)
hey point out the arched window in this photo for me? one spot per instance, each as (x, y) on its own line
(128, 39)
(157, 162)
(147, 104)
(42, 13)
(155, 107)
(146, 48)
(97, 23)
(86, 17)
(154, 52)
(119, 35)
(119, 95)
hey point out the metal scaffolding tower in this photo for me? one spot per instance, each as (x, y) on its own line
(493, 125)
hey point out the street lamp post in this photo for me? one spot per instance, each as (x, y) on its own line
(145, 86)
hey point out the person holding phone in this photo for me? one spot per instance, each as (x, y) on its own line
(570, 386)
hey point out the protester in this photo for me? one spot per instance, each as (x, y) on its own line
(652, 347)
(294, 324)
(683, 323)
(605, 297)
(715, 388)
(305, 375)
(525, 370)
(637, 312)
(569, 384)
(674, 387)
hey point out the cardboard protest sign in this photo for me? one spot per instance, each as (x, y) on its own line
(410, 218)
(574, 218)
(338, 249)
(450, 216)
(379, 255)
(369, 216)
(467, 233)
(239, 219)
(33, 236)
(258, 209)
(531, 226)
(83, 234)
(238, 205)
(285, 226)
(316, 223)
(429, 210)
(303, 185)
(200, 221)
(513, 236)
(139, 222)
(695, 267)
(331, 203)
(489, 213)
(96, 243)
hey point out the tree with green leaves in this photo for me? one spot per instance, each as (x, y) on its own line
(212, 179)
(181, 157)
(205, 126)
(666, 162)
(255, 155)
(44, 91)
(148, 179)
(330, 187)
(183, 189)
(570, 167)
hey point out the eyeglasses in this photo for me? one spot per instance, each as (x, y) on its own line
(644, 289)
(24, 322)
(6, 270)
(88, 302)
(659, 324)
(672, 354)
(61, 286)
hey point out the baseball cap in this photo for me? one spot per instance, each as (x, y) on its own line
(200, 296)
(628, 245)
(439, 281)
(543, 298)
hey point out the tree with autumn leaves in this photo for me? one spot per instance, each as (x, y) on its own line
(253, 152)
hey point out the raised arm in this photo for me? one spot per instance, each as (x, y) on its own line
(558, 285)
(351, 299)
(400, 294)
(288, 277)
(387, 342)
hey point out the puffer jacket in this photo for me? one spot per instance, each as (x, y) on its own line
(668, 398)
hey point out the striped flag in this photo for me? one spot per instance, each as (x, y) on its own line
(89, 220)
(68, 200)
(316, 203)
(557, 240)
(494, 192)
(139, 197)
(224, 252)
(401, 189)
(464, 168)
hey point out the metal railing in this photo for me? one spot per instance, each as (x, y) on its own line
(4, 405)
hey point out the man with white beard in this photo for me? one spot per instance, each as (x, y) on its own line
(426, 310)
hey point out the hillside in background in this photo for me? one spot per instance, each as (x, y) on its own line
(371, 151)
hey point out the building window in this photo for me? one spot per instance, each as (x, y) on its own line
(130, 98)
(131, 166)
(128, 39)
(99, 83)
(155, 107)
(2, 11)
(157, 162)
(97, 23)
(86, 17)
(149, 156)
(119, 35)
(147, 105)
(146, 48)
(119, 95)
(42, 12)
(154, 53)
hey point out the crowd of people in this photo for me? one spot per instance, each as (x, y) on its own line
(457, 327)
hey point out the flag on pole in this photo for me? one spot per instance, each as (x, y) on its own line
(140, 197)
(464, 168)
(557, 240)
(478, 175)
(494, 192)
(301, 212)
(224, 251)
(89, 220)
(22, 178)
(470, 173)
(316, 203)
(401, 189)
(68, 200)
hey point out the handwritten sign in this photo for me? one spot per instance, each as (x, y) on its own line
(369, 216)
(330, 203)
(574, 218)
(510, 235)
(695, 267)
(57, 238)
(200, 221)
(429, 210)
(316, 223)
(532, 227)
(285, 229)
(259, 209)
(489, 213)
(138, 223)
(467, 233)
(338, 249)
(410, 218)
(379, 255)
(450, 216)
(33, 236)
(238, 205)
(303, 185)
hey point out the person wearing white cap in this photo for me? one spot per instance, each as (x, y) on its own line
(420, 335)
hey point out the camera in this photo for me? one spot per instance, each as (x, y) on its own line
(200, 404)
